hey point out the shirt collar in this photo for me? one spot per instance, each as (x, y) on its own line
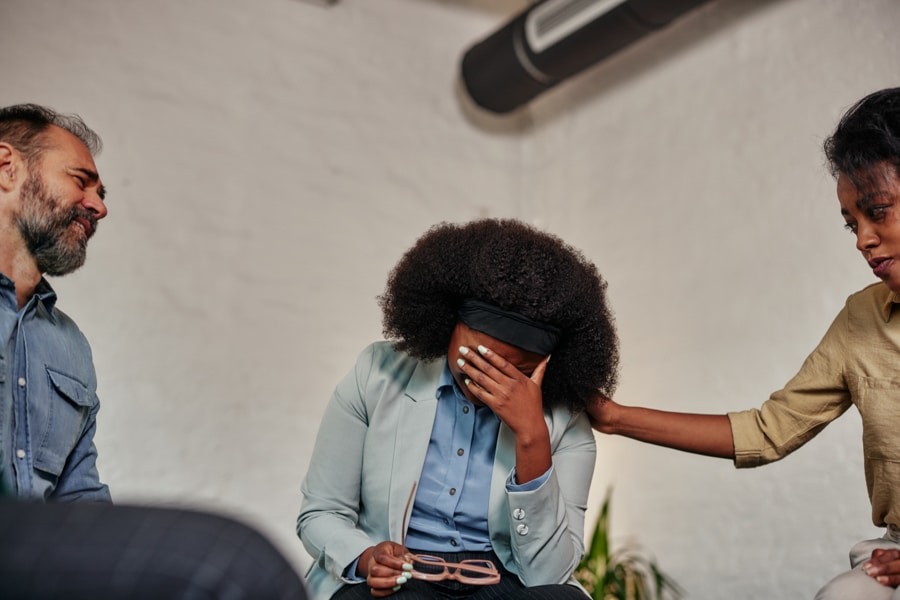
(890, 302)
(46, 294)
(43, 292)
(446, 380)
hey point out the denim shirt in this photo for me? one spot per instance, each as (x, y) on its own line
(48, 401)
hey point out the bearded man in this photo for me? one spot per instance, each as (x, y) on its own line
(51, 199)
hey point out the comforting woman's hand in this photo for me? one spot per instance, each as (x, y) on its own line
(884, 567)
(385, 568)
(514, 397)
(600, 412)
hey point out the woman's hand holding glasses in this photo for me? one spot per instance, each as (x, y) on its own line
(386, 567)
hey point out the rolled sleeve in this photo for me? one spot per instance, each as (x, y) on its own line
(819, 393)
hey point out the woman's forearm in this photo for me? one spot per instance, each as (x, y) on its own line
(709, 435)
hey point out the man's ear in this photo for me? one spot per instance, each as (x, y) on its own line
(10, 167)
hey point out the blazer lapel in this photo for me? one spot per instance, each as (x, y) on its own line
(414, 432)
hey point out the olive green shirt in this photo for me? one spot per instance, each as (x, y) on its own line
(856, 363)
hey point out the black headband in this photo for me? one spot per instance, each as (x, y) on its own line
(509, 327)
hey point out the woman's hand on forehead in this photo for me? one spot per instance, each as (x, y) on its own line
(514, 396)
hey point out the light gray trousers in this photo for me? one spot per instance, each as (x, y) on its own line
(855, 584)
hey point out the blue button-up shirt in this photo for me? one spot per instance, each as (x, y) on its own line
(48, 401)
(450, 513)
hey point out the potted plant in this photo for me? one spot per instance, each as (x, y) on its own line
(624, 573)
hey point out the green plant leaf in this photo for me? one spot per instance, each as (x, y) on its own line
(599, 549)
(623, 574)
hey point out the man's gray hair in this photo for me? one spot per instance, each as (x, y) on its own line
(22, 126)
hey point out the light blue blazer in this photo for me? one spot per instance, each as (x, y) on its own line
(371, 447)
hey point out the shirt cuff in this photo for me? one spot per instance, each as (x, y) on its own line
(349, 575)
(512, 486)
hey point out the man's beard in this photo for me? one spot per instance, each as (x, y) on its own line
(57, 246)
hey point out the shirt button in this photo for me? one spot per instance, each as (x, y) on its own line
(20, 453)
(518, 514)
(460, 452)
(452, 491)
(21, 382)
(453, 543)
(465, 410)
(522, 529)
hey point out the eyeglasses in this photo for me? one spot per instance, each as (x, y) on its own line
(472, 572)
(433, 568)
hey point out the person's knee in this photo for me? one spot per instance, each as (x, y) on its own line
(854, 585)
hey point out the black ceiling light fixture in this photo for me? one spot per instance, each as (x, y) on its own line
(556, 39)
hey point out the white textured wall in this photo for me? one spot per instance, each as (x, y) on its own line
(691, 171)
(269, 160)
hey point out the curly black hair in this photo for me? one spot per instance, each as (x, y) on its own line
(867, 134)
(518, 268)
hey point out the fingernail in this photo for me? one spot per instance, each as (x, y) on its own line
(460, 362)
(883, 580)
(482, 349)
(401, 580)
(866, 567)
(463, 350)
(396, 587)
(467, 381)
(407, 567)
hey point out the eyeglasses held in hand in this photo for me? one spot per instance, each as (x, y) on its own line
(472, 572)
(433, 568)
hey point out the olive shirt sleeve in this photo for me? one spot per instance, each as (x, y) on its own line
(818, 394)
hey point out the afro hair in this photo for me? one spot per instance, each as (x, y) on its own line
(518, 268)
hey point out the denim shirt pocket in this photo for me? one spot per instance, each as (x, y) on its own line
(69, 406)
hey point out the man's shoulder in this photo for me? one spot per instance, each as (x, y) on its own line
(62, 321)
